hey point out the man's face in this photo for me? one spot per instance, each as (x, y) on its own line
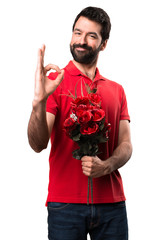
(86, 41)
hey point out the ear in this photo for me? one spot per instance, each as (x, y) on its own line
(104, 44)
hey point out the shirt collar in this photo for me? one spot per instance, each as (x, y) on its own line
(74, 71)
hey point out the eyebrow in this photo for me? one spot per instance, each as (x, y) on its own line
(94, 33)
(77, 29)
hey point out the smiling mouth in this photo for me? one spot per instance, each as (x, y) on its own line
(81, 49)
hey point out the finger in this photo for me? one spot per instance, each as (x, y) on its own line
(87, 173)
(59, 78)
(87, 164)
(39, 60)
(43, 48)
(86, 159)
(43, 52)
(53, 67)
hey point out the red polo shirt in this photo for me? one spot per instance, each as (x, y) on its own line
(67, 183)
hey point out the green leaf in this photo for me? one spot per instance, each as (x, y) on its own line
(84, 149)
(71, 95)
(76, 87)
(103, 139)
(76, 138)
(77, 154)
(101, 126)
(94, 90)
(87, 87)
(82, 89)
(68, 95)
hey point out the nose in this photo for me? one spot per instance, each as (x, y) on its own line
(83, 39)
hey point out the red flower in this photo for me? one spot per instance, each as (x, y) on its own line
(98, 114)
(80, 100)
(94, 98)
(84, 116)
(80, 109)
(80, 103)
(69, 125)
(89, 129)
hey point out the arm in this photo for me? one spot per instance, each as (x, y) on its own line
(40, 127)
(94, 167)
(41, 123)
(123, 152)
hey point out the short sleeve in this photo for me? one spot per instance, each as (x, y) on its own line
(124, 115)
(52, 105)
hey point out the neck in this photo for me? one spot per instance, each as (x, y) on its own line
(88, 70)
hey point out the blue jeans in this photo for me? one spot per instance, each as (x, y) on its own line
(74, 221)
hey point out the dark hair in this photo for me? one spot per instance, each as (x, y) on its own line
(97, 15)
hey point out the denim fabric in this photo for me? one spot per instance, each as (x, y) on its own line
(74, 221)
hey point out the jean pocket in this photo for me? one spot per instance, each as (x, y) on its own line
(57, 205)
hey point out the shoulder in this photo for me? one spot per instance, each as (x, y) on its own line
(111, 91)
(111, 85)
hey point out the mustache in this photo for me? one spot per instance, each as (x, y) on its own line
(85, 46)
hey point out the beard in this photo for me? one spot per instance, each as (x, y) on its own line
(85, 57)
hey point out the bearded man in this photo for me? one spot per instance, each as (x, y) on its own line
(69, 216)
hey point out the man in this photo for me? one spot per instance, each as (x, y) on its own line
(69, 217)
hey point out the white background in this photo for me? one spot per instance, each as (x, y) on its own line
(132, 59)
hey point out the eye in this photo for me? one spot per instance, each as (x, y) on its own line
(77, 33)
(93, 36)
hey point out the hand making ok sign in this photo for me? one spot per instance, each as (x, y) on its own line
(43, 85)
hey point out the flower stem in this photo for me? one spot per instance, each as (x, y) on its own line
(90, 183)
(88, 191)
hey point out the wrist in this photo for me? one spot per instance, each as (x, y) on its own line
(39, 108)
(36, 103)
(108, 166)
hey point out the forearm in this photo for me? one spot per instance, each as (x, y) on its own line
(119, 158)
(38, 134)
(95, 167)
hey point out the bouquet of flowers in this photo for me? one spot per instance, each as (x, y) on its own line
(86, 124)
